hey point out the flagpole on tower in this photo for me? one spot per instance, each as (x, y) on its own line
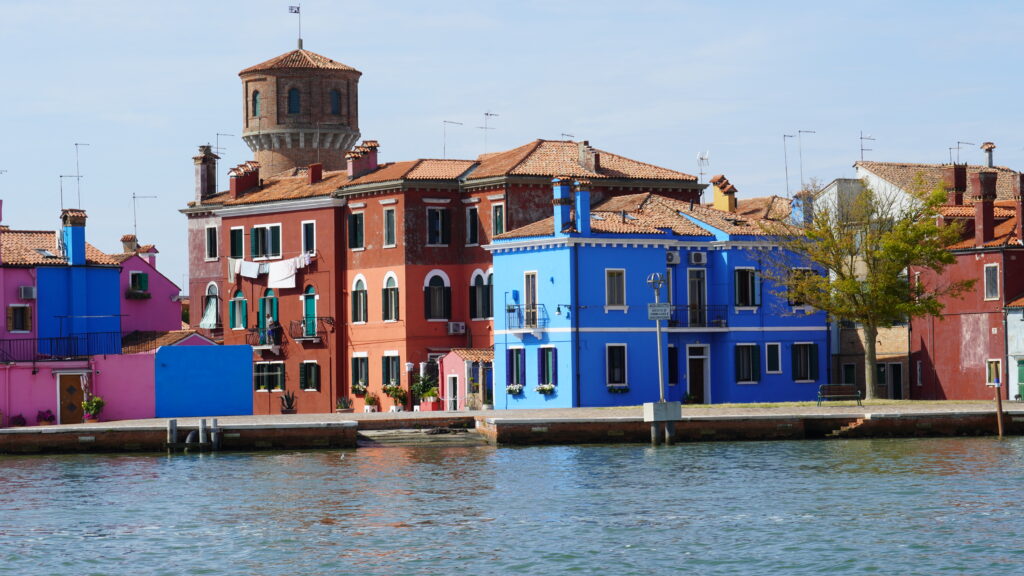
(297, 10)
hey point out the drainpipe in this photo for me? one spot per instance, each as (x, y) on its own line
(1005, 377)
(574, 323)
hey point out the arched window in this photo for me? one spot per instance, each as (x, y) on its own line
(389, 299)
(237, 313)
(490, 296)
(437, 299)
(359, 301)
(267, 321)
(294, 101)
(255, 103)
(309, 312)
(211, 308)
(335, 102)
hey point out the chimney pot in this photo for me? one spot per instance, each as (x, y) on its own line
(316, 173)
(983, 187)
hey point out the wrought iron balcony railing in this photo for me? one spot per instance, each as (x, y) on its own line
(522, 317)
(313, 328)
(700, 316)
(59, 348)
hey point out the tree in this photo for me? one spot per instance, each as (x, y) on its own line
(867, 242)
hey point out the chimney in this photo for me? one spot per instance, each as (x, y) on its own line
(954, 177)
(724, 193)
(988, 147)
(802, 208)
(583, 207)
(587, 157)
(562, 202)
(1018, 205)
(129, 243)
(206, 173)
(316, 173)
(363, 159)
(244, 177)
(983, 188)
(73, 235)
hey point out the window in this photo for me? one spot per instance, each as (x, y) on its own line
(237, 240)
(773, 358)
(309, 376)
(480, 304)
(389, 227)
(267, 320)
(355, 231)
(849, 374)
(309, 237)
(268, 376)
(530, 311)
(309, 322)
(390, 371)
(991, 281)
(547, 367)
(211, 308)
(993, 372)
(798, 273)
(438, 227)
(265, 241)
(805, 362)
(19, 318)
(516, 358)
(360, 372)
(437, 299)
(472, 227)
(748, 288)
(616, 364)
(389, 300)
(748, 365)
(497, 219)
(255, 103)
(138, 282)
(294, 101)
(359, 302)
(918, 373)
(237, 312)
(335, 102)
(673, 365)
(211, 242)
(614, 288)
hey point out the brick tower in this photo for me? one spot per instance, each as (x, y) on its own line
(300, 108)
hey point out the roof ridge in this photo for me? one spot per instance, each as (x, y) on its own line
(643, 163)
(536, 144)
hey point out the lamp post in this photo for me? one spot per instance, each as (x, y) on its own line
(656, 280)
(661, 411)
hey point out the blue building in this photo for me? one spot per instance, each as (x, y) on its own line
(573, 326)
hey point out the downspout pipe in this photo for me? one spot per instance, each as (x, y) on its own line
(575, 325)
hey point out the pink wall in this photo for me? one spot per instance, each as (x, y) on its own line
(162, 311)
(451, 364)
(25, 393)
(128, 384)
(10, 280)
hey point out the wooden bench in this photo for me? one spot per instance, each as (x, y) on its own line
(838, 392)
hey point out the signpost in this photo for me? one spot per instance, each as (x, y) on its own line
(661, 411)
(999, 405)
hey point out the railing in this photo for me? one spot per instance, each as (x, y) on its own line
(700, 316)
(263, 338)
(519, 317)
(309, 328)
(59, 348)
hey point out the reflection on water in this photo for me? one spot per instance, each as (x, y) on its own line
(934, 506)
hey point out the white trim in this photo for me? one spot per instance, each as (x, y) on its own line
(496, 196)
(441, 231)
(504, 220)
(357, 278)
(747, 345)
(230, 230)
(280, 235)
(29, 306)
(356, 205)
(999, 363)
(390, 353)
(766, 345)
(476, 211)
(470, 200)
(437, 200)
(705, 355)
(536, 291)
(302, 239)
(280, 206)
(360, 354)
(607, 365)
(388, 201)
(436, 272)
(608, 306)
(984, 281)
(480, 273)
(389, 274)
(206, 243)
(384, 227)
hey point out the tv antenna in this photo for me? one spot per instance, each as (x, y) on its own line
(444, 135)
(135, 217)
(78, 173)
(62, 177)
(216, 163)
(485, 127)
(569, 136)
(958, 149)
(800, 147)
(864, 138)
(703, 161)
(785, 159)
(297, 10)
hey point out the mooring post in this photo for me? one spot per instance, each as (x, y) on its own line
(172, 431)
(655, 434)
(215, 435)
(202, 431)
(670, 432)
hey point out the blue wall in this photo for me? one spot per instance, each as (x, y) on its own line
(203, 381)
(75, 300)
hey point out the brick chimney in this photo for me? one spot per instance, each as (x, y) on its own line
(588, 158)
(363, 159)
(724, 193)
(129, 243)
(983, 189)
(562, 202)
(244, 177)
(988, 147)
(582, 188)
(315, 173)
(1018, 206)
(206, 173)
(954, 177)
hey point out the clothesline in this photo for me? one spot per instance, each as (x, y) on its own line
(280, 273)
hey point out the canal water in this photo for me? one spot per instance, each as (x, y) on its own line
(910, 506)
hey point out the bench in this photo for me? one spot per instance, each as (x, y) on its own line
(838, 392)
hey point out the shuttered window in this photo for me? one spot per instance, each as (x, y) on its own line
(265, 241)
(355, 231)
(748, 363)
(547, 365)
(805, 362)
(19, 318)
(309, 376)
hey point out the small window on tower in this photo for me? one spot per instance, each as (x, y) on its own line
(256, 104)
(335, 102)
(294, 101)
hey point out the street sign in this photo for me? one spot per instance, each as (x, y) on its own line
(659, 311)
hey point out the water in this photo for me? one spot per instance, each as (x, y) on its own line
(930, 506)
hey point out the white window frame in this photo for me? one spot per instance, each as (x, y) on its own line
(447, 284)
(398, 374)
(608, 307)
(302, 366)
(985, 281)
(29, 306)
(384, 228)
(284, 377)
(608, 366)
(517, 363)
(493, 220)
(384, 306)
(544, 364)
(999, 371)
(778, 356)
(793, 351)
(216, 245)
(241, 254)
(244, 302)
(131, 280)
(366, 289)
(756, 353)
(735, 279)
(536, 299)
(302, 229)
(280, 234)
(475, 224)
(362, 226)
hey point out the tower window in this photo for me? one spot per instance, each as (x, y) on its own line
(294, 101)
(255, 103)
(335, 102)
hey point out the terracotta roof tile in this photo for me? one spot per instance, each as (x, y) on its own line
(562, 158)
(425, 169)
(29, 248)
(144, 341)
(298, 59)
(1004, 234)
(950, 211)
(293, 186)
(1017, 302)
(904, 175)
(475, 354)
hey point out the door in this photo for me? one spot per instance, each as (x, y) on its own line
(309, 313)
(1019, 393)
(69, 387)
(452, 391)
(896, 381)
(530, 299)
(696, 377)
(849, 373)
(696, 297)
(881, 382)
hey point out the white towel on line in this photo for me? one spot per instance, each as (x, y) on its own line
(281, 274)
(249, 269)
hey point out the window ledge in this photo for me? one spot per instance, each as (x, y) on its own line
(20, 331)
(738, 309)
(804, 381)
(357, 249)
(473, 244)
(390, 246)
(266, 258)
(608, 309)
(358, 323)
(390, 321)
(773, 371)
(437, 319)
(310, 389)
(211, 259)
(436, 245)
(748, 383)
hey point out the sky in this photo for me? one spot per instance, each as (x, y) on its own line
(144, 83)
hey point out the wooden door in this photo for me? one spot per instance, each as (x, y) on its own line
(69, 387)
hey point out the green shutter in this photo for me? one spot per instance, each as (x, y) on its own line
(144, 282)
(275, 241)
(231, 314)
(245, 313)
(302, 376)
(273, 308)
(254, 242)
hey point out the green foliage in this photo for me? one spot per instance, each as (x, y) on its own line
(343, 403)
(288, 401)
(420, 385)
(372, 400)
(93, 406)
(397, 393)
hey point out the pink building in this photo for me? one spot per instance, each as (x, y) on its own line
(460, 375)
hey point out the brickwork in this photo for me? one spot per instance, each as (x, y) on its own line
(891, 347)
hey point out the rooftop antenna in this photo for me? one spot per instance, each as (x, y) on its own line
(703, 161)
(800, 147)
(958, 149)
(62, 177)
(297, 10)
(135, 217)
(785, 159)
(864, 138)
(78, 173)
(444, 136)
(217, 150)
(951, 148)
(569, 136)
(485, 127)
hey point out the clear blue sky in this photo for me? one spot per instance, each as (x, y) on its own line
(144, 83)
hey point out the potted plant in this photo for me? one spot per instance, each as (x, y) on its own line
(430, 401)
(288, 403)
(359, 388)
(45, 418)
(91, 409)
(514, 389)
(18, 420)
(397, 393)
(372, 401)
(545, 389)
(343, 405)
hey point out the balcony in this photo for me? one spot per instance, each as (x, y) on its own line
(137, 294)
(522, 319)
(310, 329)
(264, 339)
(60, 348)
(699, 317)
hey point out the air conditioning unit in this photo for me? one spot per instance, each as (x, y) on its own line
(672, 258)
(699, 258)
(27, 292)
(456, 328)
